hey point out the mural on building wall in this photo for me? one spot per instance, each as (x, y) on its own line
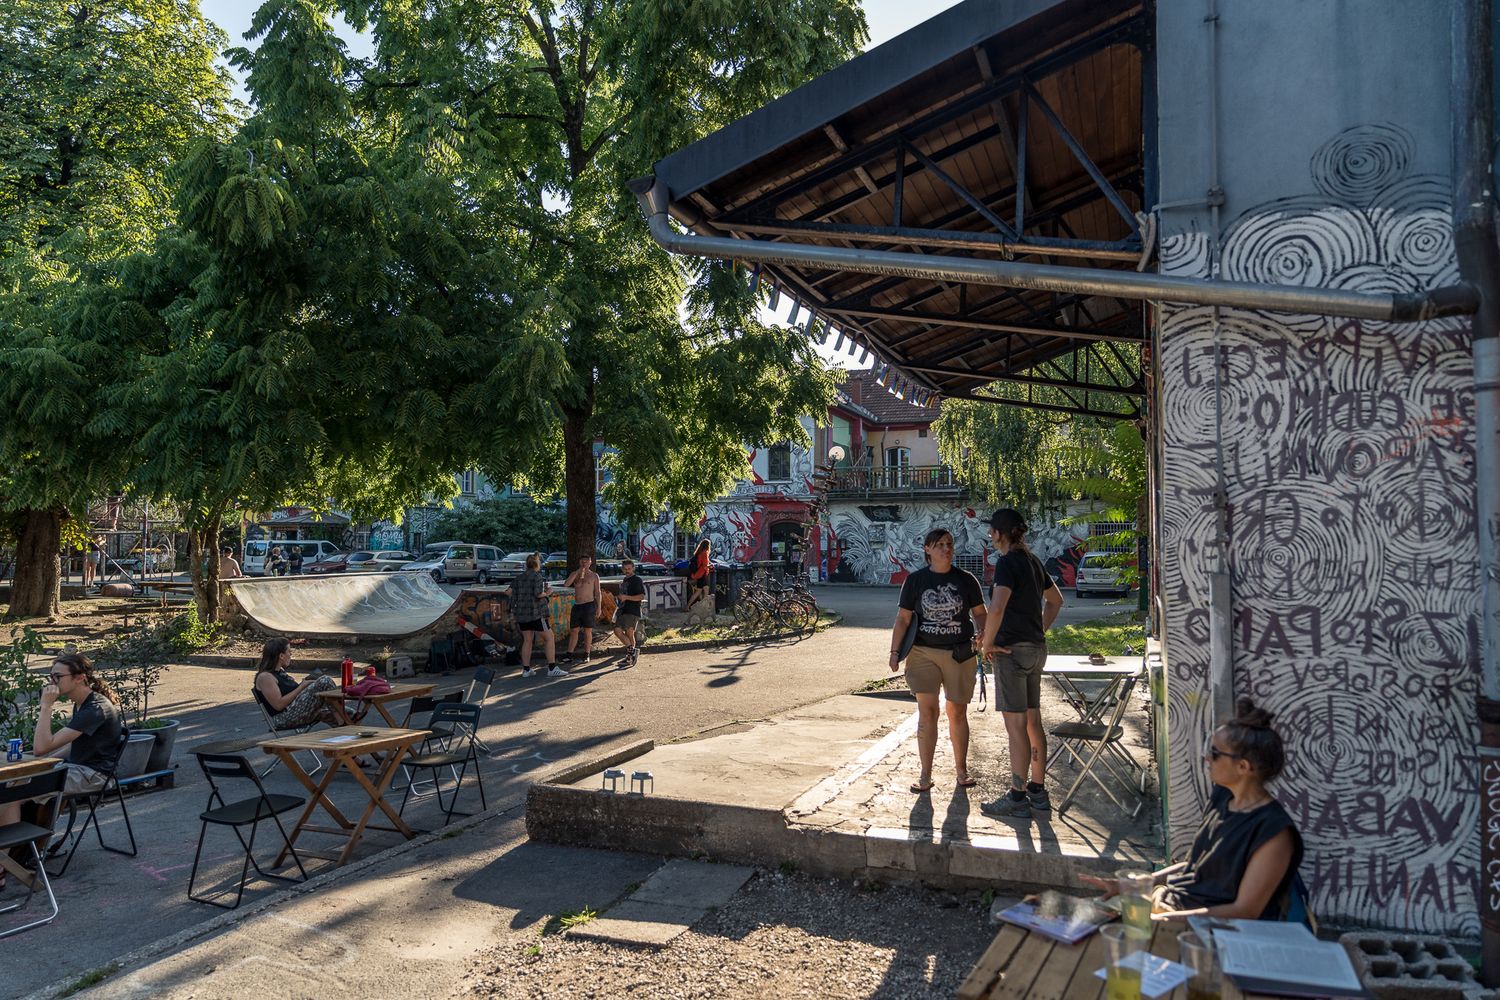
(883, 543)
(1348, 460)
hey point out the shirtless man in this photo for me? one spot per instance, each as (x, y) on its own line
(585, 584)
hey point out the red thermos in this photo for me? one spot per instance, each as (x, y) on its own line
(348, 673)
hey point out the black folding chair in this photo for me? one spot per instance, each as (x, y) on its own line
(93, 800)
(264, 805)
(435, 733)
(460, 750)
(23, 834)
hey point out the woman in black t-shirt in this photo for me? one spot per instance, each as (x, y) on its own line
(933, 633)
(1244, 860)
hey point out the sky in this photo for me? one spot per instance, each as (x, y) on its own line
(887, 19)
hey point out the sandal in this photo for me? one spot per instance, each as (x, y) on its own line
(919, 788)
(968, 782)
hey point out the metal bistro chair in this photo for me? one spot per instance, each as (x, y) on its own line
(1108, 749)
(93, 801)
(30, 835)
(435, 733)
(317, 761)
(461, 750)
(264, 805)
(486, 677)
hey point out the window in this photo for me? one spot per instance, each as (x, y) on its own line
(779, 463)
(921, 432)
(897, 457)
(466, 483)
(601, 474)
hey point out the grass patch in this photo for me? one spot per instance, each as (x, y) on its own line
(723, 627)
(567, 920)
(91, 978)
(882, 683)
(1109, 635)
(532, 951)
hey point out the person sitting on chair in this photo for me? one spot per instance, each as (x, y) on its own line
(1243, 862)
(289, 704)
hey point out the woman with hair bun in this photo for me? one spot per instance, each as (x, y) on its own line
(1244, 860)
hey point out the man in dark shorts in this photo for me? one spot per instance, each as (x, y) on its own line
(585, 584)
(528, 603)
(628, 612)
(1023, 605)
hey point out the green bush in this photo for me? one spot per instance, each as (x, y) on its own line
(187, 633)
(20, 689)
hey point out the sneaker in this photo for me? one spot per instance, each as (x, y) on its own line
(557, 671)
(1038, 799)
(528, 672)
(1007, 807)
(628, 660)
(584, 659)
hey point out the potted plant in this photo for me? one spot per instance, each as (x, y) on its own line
(132, 665)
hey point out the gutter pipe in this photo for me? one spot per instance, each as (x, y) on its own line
(1402, 307)
(1474, 238)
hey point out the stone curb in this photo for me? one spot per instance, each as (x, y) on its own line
(176, 942)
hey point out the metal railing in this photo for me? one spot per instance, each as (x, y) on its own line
(893, 479)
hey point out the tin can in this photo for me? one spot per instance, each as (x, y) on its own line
(13, 750)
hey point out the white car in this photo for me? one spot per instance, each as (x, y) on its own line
(378, 560)
(1097, 575)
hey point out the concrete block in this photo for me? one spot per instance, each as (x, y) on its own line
(638, 923)
(889, 847)
(693, 884)
(1412, 967)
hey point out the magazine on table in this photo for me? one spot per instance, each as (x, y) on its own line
(1058, 916)
(1269, 956)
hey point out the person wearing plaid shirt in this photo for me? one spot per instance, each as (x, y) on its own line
(528, 603)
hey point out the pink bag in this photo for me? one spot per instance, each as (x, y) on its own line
(368, 685)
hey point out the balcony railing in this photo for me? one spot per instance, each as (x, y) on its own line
(891, 479)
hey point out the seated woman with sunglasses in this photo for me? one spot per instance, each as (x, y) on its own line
(1243, 862)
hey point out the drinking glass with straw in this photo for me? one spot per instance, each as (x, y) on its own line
(1135, 898)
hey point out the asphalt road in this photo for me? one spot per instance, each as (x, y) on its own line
(112, 905)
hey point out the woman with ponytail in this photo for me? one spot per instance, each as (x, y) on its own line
(1243, 863)
(90, 742)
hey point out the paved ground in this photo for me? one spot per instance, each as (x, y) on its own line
(347, 934)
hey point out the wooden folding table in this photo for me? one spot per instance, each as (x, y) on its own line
(398, 692)
(342, 746)
(21, 770)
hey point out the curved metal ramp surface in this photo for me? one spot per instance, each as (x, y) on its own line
(372, 604)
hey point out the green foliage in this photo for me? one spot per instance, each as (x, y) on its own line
(512, 524)
(1110, 635)
(132, 664)
(20, 688)
(187, 633)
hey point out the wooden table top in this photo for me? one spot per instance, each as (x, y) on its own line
(397, 692)
(26, 767)
(1025, 966)
(328, 740)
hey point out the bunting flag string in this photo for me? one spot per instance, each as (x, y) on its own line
(755, 279)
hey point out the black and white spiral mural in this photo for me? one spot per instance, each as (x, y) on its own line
(1347, 450)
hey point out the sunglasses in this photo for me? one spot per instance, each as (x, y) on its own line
(1214, 753)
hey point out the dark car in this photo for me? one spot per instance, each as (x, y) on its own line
(337, 563)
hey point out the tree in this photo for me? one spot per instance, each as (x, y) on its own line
(543, 111)
(513, 524)
(100, 100)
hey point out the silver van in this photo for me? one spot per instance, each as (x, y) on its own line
(457, 562)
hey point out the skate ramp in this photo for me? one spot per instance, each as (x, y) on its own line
(366, 604)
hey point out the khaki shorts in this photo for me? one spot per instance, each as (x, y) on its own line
(929, 669)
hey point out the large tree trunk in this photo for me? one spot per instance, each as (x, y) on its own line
(205, 540)
(578, 477)
(35, 586)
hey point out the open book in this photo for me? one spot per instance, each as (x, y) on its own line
(1064, 918)
(1268, 956)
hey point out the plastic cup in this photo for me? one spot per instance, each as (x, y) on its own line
(1135, 898)
(1200, 957)
(1122, 982)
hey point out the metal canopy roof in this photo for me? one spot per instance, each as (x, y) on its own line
(996, 130)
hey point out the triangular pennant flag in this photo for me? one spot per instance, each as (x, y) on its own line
(755, 279)
(864, 355)
(823, 334)
(880, 376)
(838, 344)
(796, 308)
(813, 319)
(775, 298)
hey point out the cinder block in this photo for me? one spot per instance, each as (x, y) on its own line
(1413, 967)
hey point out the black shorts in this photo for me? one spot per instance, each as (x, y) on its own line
(584, 615)
(625, 620)
(535, 625)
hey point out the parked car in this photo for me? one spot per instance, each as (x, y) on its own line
(337, 563)
(1096, 575)
(457, 562)
(379, 560)
(511, 566)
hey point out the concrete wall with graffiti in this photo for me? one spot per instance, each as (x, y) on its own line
(1346, 450)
